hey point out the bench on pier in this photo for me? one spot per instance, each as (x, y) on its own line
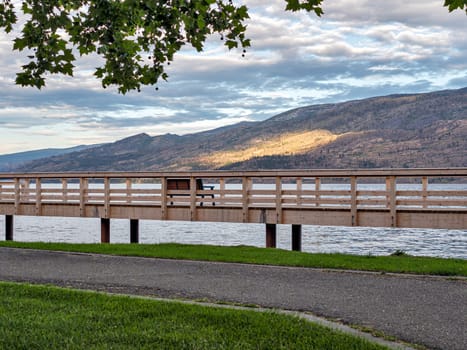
(184, 184)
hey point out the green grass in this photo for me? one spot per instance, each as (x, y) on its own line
(399, 263)
(43, 317)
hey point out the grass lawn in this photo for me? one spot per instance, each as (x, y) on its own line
(253, 255)
(44, 317)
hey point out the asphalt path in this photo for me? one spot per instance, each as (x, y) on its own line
(431, 311)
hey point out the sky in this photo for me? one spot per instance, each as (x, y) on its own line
(357, 49)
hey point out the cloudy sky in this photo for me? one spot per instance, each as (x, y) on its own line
(358, 49)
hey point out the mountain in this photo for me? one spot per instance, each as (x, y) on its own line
(11, 161)
(416, 130)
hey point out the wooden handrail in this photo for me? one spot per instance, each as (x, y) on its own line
(417, 172)
(238, 196)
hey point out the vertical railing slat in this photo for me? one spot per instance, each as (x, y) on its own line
(106, 197)
(163, 198)
(424, 190)
(299, 182)
(65, 190)
(17, 196)
(193, 198)
(317, 189)
(246, 184)
(83, 182)
(38, 196)
(128, 190)
(391, 181)
(353, 200)
(278, 200)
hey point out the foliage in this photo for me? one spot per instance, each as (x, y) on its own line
(456, 5)
(135, 38)
(44, 317)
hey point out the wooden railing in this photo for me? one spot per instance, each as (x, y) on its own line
(405, 197)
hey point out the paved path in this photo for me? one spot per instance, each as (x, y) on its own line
(431, 311)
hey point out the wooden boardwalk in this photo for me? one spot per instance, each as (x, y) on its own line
(376, 198)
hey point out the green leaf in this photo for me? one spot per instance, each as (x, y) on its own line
(455, 5)
(231, 44)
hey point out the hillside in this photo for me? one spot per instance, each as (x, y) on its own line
(14, 160)
(418, 130)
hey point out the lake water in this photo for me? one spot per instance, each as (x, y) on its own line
(353, 240)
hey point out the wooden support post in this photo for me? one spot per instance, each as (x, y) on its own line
(65, 190)
(317, 189)
(353, 201)
(134, 231)
(163, 198)
(299, 190)
(391, 195)
(17, 196)
(8, 227)
(128, 190)
(279, 200)
(271, 234)
(38, 196)
(83, 184)
(105, 230)
(246, 187)
(297, 238)
(193, 199)
(424, 190)
(106, 197)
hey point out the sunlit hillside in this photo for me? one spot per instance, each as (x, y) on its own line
(285, 144)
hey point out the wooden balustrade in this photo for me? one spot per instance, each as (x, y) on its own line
(386, 198)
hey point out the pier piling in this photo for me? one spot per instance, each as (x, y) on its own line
(297, 238)
(134, 231)
(271, 234)
(105, 230)
(8, 227)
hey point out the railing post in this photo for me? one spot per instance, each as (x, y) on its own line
(128, 190)
(353, 200)
(105, 230)
(65, 190)
(246, 186)
(271, 233)
(106, 197)
(424, 190)
(297, 238)
(82, 196)
(278, 200)
(38, 196)
(299, 190)
(134, 231)
(163, 198)
(9, 227)
(192, 198)
(391, 195)
(17, 196)
(317, 189)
